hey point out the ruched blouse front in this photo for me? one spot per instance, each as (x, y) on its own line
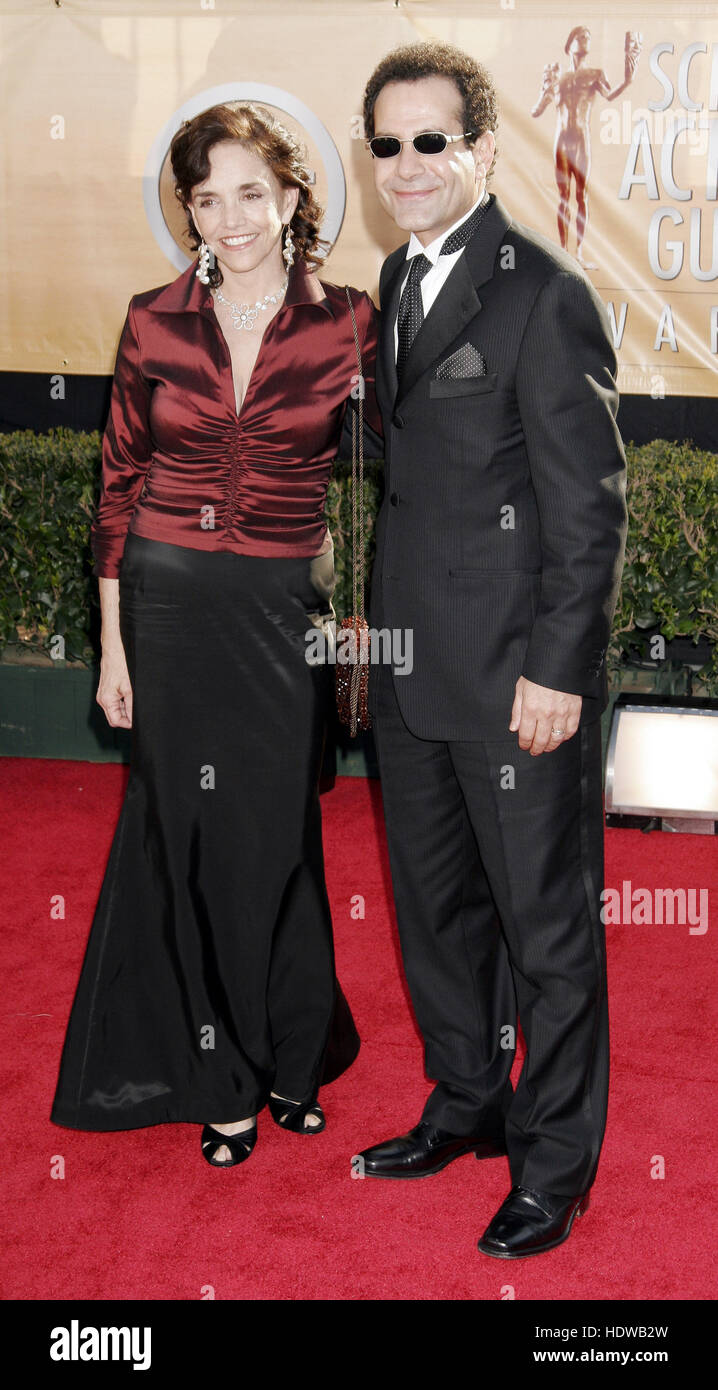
(180, 464)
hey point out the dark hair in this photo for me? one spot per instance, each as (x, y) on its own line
(258, 129)
(416, 60)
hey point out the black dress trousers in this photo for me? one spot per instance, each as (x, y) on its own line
(208, 978)
(497, 867)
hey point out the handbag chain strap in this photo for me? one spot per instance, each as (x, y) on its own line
(357, 478)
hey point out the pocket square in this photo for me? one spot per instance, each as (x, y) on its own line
(466, 361)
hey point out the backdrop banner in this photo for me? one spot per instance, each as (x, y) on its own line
(607, 143)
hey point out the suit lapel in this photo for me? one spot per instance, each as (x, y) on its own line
(386, 376)
(456, 304)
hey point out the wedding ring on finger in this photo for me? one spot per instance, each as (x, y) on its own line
(557, 733)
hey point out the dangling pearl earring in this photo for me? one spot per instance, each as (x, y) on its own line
(288, 248)
(207, 262)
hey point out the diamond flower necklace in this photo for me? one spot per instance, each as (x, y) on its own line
(246, 315)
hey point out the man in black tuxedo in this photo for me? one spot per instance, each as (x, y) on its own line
(500, 544)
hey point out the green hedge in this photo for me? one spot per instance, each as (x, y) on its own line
(49, 485)
(670, 576)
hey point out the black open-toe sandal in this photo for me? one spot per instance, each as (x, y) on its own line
(292, 1114)
(240, 1145)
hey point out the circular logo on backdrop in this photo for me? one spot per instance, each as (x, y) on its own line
(164, 214)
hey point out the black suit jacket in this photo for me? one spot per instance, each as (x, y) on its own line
(501, 536)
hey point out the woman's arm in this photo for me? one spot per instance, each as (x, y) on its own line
(114, 693)
(126, 455)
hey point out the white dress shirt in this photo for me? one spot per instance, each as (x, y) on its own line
(441, 266)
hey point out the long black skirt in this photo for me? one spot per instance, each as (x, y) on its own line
(209, 976)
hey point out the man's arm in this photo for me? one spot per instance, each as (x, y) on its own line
(568, 401)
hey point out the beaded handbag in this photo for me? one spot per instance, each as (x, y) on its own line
(352, 669)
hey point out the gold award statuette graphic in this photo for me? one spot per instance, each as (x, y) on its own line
(573, 93)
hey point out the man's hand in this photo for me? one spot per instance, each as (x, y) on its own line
(538, 711)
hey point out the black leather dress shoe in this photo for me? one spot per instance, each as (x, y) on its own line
(529, 1222)
(425, 1150)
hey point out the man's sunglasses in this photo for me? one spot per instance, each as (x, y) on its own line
(431, 142)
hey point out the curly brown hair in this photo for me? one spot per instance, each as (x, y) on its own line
(413, 61)
(260, 130)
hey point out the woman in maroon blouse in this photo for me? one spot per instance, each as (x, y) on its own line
(208, 988)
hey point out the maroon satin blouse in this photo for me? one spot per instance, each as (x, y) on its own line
(179, 464)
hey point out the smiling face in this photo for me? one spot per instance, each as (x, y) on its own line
(427, 193)
(240, 209)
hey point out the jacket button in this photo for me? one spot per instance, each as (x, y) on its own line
(394, 499)
(398, 422)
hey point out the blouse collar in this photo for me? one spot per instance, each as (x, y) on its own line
(187, 294)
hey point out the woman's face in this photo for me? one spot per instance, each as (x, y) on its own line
(240, 209)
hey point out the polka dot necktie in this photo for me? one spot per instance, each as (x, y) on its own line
(411, 306)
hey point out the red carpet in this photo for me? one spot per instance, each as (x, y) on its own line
(138, 1215)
